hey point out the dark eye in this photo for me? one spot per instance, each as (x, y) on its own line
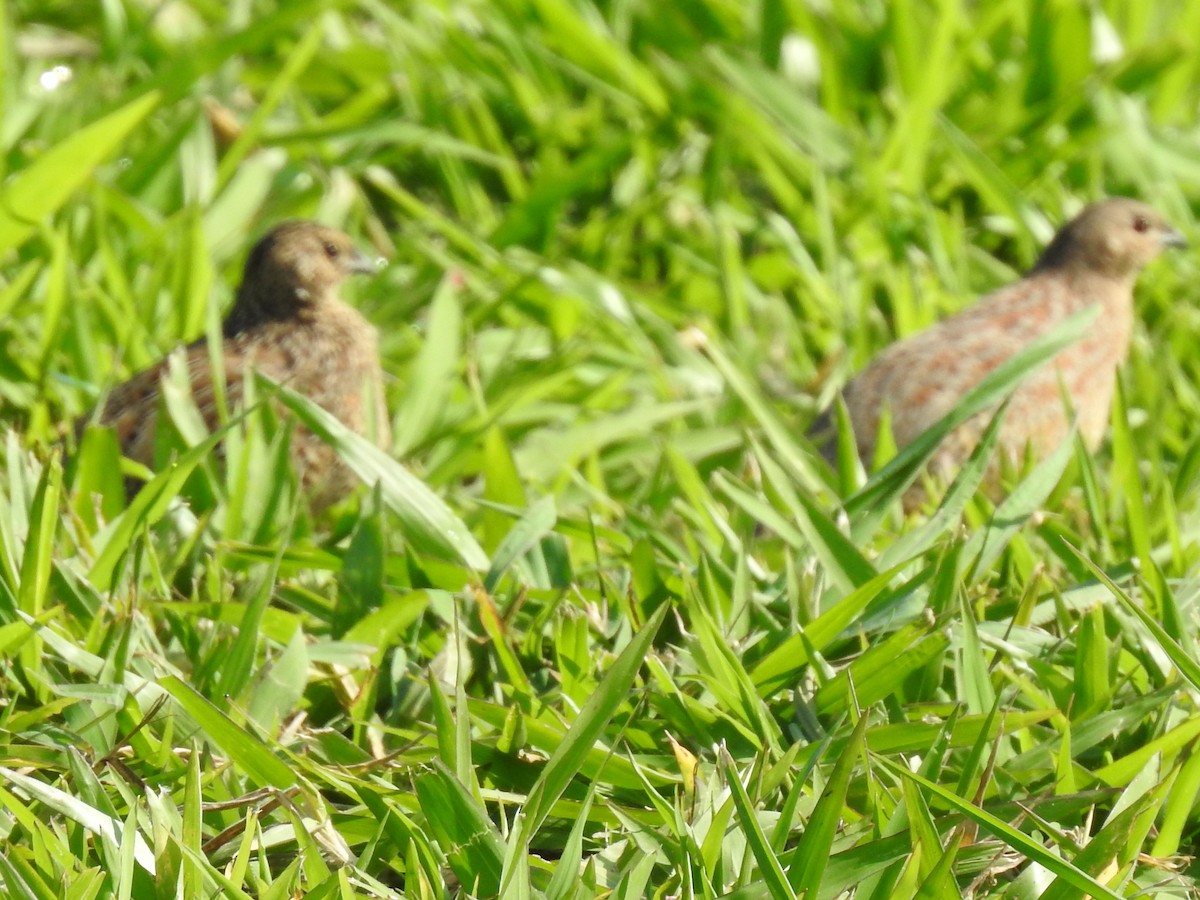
(1141, 224)
(333, 252)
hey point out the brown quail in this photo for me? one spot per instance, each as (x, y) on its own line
(289, 324)
(1093, 260)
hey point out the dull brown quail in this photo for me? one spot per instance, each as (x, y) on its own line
(289, 323)
(1093, 260)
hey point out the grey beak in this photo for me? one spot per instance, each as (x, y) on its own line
(1172, 238)
(362, 264)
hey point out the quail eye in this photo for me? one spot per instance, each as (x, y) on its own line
(1141, 224)
(332, 251)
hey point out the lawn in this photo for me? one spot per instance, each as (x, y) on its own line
(604, 624)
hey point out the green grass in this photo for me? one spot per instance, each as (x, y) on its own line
(605, 626)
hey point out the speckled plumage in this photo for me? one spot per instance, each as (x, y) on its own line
(1094, 259)
(288, 323)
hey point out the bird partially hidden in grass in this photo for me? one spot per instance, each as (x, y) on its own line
(1093, 260)
(289, 323)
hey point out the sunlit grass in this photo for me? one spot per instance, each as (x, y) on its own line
(603, 625)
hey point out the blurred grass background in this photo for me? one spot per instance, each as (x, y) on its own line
(607, 630)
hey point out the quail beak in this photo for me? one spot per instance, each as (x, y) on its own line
(1172, 238)
(362, 264)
